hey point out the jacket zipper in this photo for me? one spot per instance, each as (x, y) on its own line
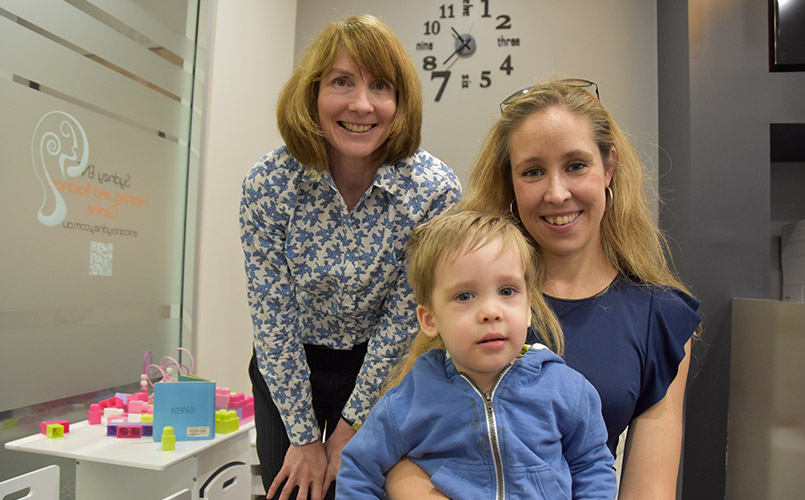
(492, 430)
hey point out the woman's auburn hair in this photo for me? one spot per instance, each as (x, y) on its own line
(632, 240)
(374, 47)
(443, 238)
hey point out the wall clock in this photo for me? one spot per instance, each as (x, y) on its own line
(465, 44)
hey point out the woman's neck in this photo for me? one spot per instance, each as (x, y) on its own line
(577, 276)
(352, 178)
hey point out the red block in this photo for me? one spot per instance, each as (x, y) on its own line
(126, 431)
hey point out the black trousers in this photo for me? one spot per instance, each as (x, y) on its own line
(332, 378)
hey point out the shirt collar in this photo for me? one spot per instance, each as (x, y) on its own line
(385, 179)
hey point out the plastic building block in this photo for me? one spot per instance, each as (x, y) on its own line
(94, 414)
(226, 421)
(148, 430)
(138, 407)
(134, 417)
(247, 412)
(222, 397)
(138, 396)
(54, 430)
(129, 431)
(43, 427)
(147, 418)
(109, 414)
(111, 429)
(123, 397)
(168, 439)
(237, 401)
(118, 417)
(114, 402)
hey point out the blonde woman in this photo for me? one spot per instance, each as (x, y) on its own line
(557, 163)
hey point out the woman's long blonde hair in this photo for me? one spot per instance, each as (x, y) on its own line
(632, 241)
(442, 238)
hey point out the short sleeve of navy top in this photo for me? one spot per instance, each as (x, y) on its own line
(628, 341)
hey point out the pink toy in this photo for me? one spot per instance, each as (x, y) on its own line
(248, 409)
(116, 417)
(237, 402)
(138, 407)
(94, 414)
(138, 396)
(111, 403)
(222, 397)
(108, 414)
(43, 427)
(129, 431)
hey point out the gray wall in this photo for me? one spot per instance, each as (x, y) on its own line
(612, 42)
(717, 99)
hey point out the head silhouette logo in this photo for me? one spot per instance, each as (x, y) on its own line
(59, 151)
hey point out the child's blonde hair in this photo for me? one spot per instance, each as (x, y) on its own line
(441, 238)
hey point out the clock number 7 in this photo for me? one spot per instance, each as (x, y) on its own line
(440, 74)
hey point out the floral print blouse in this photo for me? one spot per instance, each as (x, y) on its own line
(321, 274)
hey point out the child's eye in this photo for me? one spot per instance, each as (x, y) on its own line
(464, 296)
(507, 292)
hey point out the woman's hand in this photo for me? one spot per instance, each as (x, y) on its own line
(304, 466)
(654, 445)
(407, 480)
(333, 446)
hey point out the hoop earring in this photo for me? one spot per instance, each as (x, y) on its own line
(511, 211)
(610, 195)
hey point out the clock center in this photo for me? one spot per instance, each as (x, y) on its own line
(465, 44)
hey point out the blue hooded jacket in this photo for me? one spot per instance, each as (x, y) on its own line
(538, 433)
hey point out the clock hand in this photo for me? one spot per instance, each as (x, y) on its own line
(465, 44)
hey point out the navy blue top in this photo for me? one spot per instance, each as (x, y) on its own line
(628, 341)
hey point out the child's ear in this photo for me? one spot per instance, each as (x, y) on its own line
(426, 321)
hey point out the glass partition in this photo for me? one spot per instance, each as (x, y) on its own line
(100, 159)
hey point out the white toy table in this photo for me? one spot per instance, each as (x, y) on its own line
(137, 469)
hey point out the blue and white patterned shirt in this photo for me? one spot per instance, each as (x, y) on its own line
(321, 274)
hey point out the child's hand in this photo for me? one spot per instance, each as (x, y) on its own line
(407, 480)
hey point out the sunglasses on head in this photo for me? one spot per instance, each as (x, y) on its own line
(592, 87)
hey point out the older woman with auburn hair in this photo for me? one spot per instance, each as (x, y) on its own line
(560, 166)
(324, 223)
